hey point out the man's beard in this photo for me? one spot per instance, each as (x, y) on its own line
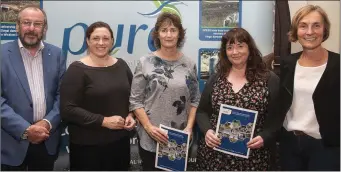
(30, 44)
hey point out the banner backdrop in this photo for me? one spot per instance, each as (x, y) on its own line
(132, 23)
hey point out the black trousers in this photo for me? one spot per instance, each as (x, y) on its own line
(113, 156)
(37, 159)
(302, 152)
(148, 160)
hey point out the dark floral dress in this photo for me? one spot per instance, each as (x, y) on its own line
(254, 96)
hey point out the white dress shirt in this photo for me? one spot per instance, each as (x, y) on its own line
(35, 76)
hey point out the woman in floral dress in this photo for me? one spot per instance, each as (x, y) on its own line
(241, 80)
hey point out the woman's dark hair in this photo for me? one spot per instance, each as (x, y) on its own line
(96, 25)
(169, 18)
(255, 67)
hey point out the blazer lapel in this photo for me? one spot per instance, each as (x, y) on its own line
(326, 74)
(18, 65)
(46, 55)
(288, 82)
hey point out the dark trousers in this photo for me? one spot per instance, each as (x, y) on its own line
(303, 152)
(148, 160)
(109, 157)
(37, 159)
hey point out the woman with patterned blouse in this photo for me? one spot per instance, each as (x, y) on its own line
(164, 88)
(241, 80)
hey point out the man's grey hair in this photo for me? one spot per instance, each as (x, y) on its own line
(35, 7)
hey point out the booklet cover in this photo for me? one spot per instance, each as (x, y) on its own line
(235, 127)
(173, 156)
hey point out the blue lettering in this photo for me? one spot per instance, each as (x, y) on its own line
(118, 39)
(132, 34)
(66, 40)
(119, 35)
(151, 41)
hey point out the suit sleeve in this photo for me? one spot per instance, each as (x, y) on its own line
(12, 122)
(204, 110)
(71, 97)
(54, 115)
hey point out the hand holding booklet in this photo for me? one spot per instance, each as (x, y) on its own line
(173, 156)
(235, 127)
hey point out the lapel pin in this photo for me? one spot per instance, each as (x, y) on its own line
(49, 54)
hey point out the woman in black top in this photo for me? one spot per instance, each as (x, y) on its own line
(242, 80)
(95, 105)
(309, 112)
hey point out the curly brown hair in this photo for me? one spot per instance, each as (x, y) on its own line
(168, 18)
(255, 67)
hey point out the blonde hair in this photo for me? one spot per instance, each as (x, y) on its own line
(302, 12)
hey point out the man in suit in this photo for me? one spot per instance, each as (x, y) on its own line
(31, 72)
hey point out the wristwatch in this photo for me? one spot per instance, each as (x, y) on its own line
(24, 136)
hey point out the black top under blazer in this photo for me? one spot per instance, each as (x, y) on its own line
(326, 97)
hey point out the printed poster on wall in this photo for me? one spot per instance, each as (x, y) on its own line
(9, 12)
(217, 17)
(207, 60)
(173, 156)
(235, 127)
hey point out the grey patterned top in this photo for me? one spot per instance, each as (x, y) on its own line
(166, 90)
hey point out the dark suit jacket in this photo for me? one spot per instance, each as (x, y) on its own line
(326, 97)
(205, 110)
(16, 100)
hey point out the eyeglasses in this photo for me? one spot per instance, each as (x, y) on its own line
(35, 24)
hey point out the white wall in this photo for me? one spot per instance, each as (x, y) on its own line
(332, 8)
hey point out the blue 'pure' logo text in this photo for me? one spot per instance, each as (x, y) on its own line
(133, 31)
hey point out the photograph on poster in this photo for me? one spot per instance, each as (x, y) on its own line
(9, 12)
(208, 58)
(216, 17)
